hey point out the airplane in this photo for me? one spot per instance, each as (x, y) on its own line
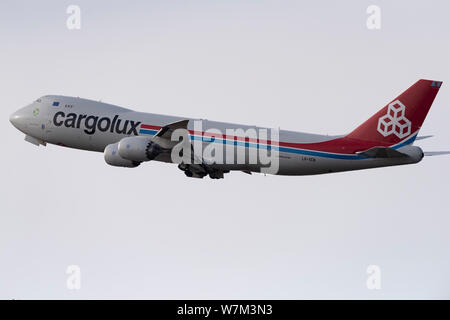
(128, 138)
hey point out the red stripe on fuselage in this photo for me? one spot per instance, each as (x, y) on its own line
(147, 126)
(341, 145)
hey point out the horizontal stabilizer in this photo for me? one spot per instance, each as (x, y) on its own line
(382, 152)
(436, 153)
(423, 137)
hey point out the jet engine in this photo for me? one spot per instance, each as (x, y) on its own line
(113, 158)
(139, 149)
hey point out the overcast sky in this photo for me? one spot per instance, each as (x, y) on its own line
(151, 232)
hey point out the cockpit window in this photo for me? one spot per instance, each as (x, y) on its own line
(39, 100)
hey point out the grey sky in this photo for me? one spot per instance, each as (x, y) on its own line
(150, 232)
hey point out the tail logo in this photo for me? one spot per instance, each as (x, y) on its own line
(395, 122)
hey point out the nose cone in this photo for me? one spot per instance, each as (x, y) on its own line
(14, 119)
(24, 117)
(19, 119)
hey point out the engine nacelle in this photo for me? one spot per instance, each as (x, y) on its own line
(138, 149)
(113, 158)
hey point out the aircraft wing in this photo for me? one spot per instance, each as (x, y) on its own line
(163, 137)
(195, 169)
(166, 131)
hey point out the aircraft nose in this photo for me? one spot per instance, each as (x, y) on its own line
(15, 119)
(20, 118)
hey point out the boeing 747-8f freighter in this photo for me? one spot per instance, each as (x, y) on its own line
(202, 147)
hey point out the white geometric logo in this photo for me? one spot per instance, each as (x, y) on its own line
(394, 122)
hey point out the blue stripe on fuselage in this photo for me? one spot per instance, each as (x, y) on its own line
(285, 149)
(147, 131)
(406, 142)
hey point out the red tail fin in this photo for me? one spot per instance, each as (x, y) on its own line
(402, 117)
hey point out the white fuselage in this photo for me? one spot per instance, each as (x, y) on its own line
(91, 125)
